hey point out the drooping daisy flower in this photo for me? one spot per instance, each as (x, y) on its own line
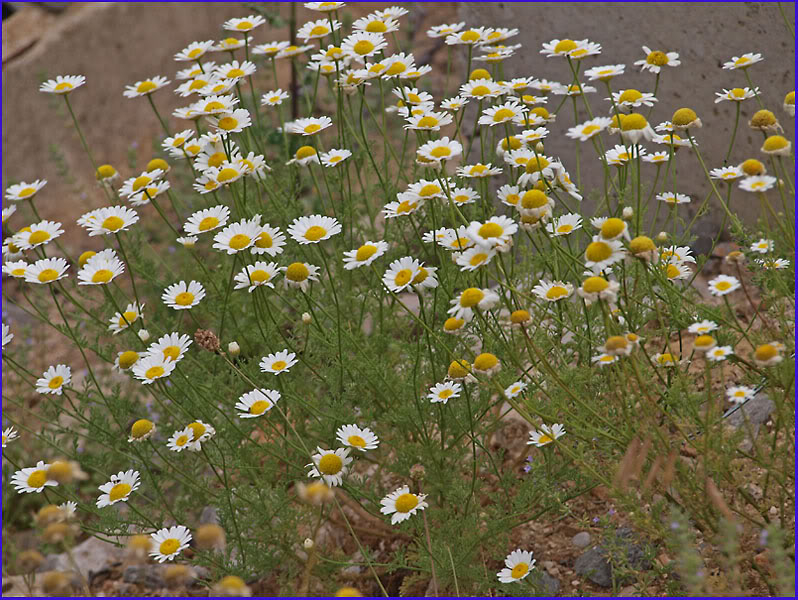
(366, 254)
(278, 362)
(330, 465)
(635, 129)
(237, 237)
(486, 364)
(552, 291)
(739, 394)
(723, 284)
(443, 392)
(257, 403)
(518, 564)
(360, 438)
(183, 296)
(257, 274)
(32, 479)
(149, 368)
(9, 435)
(62, 84)
(200, 432)
(167, 543)
(145, 87)
(119, 488)
(656, 59)
(744, 61)
(141, 430)
(777, 145)
(402, 504)
(299, 275)
(54, 379)
(313, 229)
(546, 435)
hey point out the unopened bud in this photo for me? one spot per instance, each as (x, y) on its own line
(308, 544)
(539, 148)
(662, 236)
(628, 212)
(144, 335)
(233, 348)
(306, 318)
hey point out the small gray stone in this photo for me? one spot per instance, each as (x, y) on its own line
(595, 564)
(581, 539)
(146, 575)
(757, 411)
(545, 583)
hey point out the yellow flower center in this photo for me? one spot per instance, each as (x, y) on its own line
(490, 230)
(259, 276)
(564, 46)
(775, 142)
(240, 241)
(471, 297)
(363, 47)
(765, 352)
(537, 164)
(154, 372)
(470, 36)
(403, 277)
(633, 121)
(105, 171)
(365, 252)
(565, 228)
(357, 441)
(684, 116)
(520, 316)
(657, 58)
(478, 259)
(522, 569)
(264, 240)
(140, 182)
(119, 491)
(315, 233)
(763, 118)
(169, 546)
(722, 285)
(593, 285)
(615, 342)
(259, 407)
(312, 128)
(459, 369)
(742, 61)
(145, 87)
(666, 358)
(672, 271)
(128, 316)
(406, 502)
(171, 352)
(427, 121)
(440, 152)
(102, 276)
(196, 52)
(38, 237)
(279, 365)
(641, 244)
(56, 382)
(208, 223)
(184, 298)
(228, 123)
(37, 479)
(197, 429)
(48, 275)
(478, 169)
(453, 324)
(330, 464)
(198, 84)
(598, 251)
(141, 427)
(480, 90)
(512, 199)
(297, 272)
(244, 26)
(612, 228)
(704, 341)
(396, 68)
(429, 190)
(376, 27)
(556, 292)
(113, 223)
(305, 152)
(182, 440)
(445, 393)
(503, 114)
(534, 198)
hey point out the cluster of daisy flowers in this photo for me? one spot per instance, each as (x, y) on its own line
(473, 210)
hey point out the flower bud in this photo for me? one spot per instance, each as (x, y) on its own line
(306, 318)
(662, 236)
(539, 148)
(144, 335)
(628, 212)
(308, 544)
(233, 348)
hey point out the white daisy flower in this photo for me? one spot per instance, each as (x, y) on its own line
(478, 170)
(46, 270)
(604, 359)
(15, 268)
(597, 288)
(167, 543)
(54, 379)
(588, 129)
(774, 263)
(257, 274)
(8, 211)
(125, 360)
(469, 37)
(324, 6)
(564, 224)
(145, 87)
(32, 479)
(274, 97)
(101, 269)
(9, 435)
(631, 98)
(495, 231)
(235, 70)
(428, 121)
(666, 359)
(291, 51)
(437, 31)
(270, 240)
(656, 59)
(313, 229)
(456, 240)
(473, 258)
(719, 353)
(402, 504)
(151, 367)
(314, 30)
(515, 389)
(604, 73)
(24, 191)
(736, 94)
(502, 113)
(726, 173)
(758, 183)
(723, 284)
(564, 47)
(270, 49)
(744, 61)
(244, 24)
(231, 122)
(762, 246)
(37, 235)
(171, 346)
(463, 305)
(453, 104)
(552, 291)
(401, 273)
(182, 296)
(119, 488)
(546, 435)
(740, 394)
(278, 362)
(257, 403)
(121, 321)
(145, 196)
(200, 432)
(308, 126)
(111, 219)
(304, 156)
(363, 44)
(671, 198)
(330, 465)
(702, 327)
(366, 254)
(440, 150)
(194, 51)
(335, 157)
(207, 219)
(375, 23)
(300, 275)
(360, 438)
(601, 254)
(509, 195)
(237, 237)
(518, 564)
(443, 392)
(62, 84)
(180, 440)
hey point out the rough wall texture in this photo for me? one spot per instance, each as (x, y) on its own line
(704, 34)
